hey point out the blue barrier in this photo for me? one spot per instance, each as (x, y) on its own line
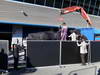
(88, 32)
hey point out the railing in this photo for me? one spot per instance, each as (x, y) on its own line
(54, 52)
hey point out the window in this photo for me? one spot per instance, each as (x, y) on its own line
(50, 3)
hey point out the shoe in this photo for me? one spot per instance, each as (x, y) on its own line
(84, 64)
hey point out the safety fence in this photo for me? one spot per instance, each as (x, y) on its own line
(47, 53)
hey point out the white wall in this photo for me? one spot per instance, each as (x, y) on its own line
(17, 33)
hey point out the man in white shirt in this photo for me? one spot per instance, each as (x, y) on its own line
(73, 36)
(83, 50)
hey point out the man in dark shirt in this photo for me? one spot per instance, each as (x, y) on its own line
(3, 60)
(16, 55)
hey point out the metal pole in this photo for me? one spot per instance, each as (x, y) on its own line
(83, 3)
(98, 10)
(34, 1)
(26, 50)
(89, 52)
(77, 3)
(54, 3)
(62, 4)
(45, 2)
(60, 53)
(94, 7)
(70, 3)
(89, 6)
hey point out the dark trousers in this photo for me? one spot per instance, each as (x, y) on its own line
(15, 63)
(83, 59)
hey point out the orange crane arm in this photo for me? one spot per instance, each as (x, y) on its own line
(75, 8)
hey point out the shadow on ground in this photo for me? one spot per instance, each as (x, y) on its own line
(22, 71)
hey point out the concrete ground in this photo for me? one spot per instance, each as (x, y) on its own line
(73, 69)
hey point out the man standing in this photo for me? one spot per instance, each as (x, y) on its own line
(73, 36)
(63, 31)
(83, 51)
(16, 55)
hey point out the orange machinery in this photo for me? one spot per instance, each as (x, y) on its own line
(75, 8)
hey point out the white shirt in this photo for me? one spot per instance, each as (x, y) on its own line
(83, 47)
(73, 36)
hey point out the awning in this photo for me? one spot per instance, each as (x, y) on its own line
(12, 12)
(27, 24)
